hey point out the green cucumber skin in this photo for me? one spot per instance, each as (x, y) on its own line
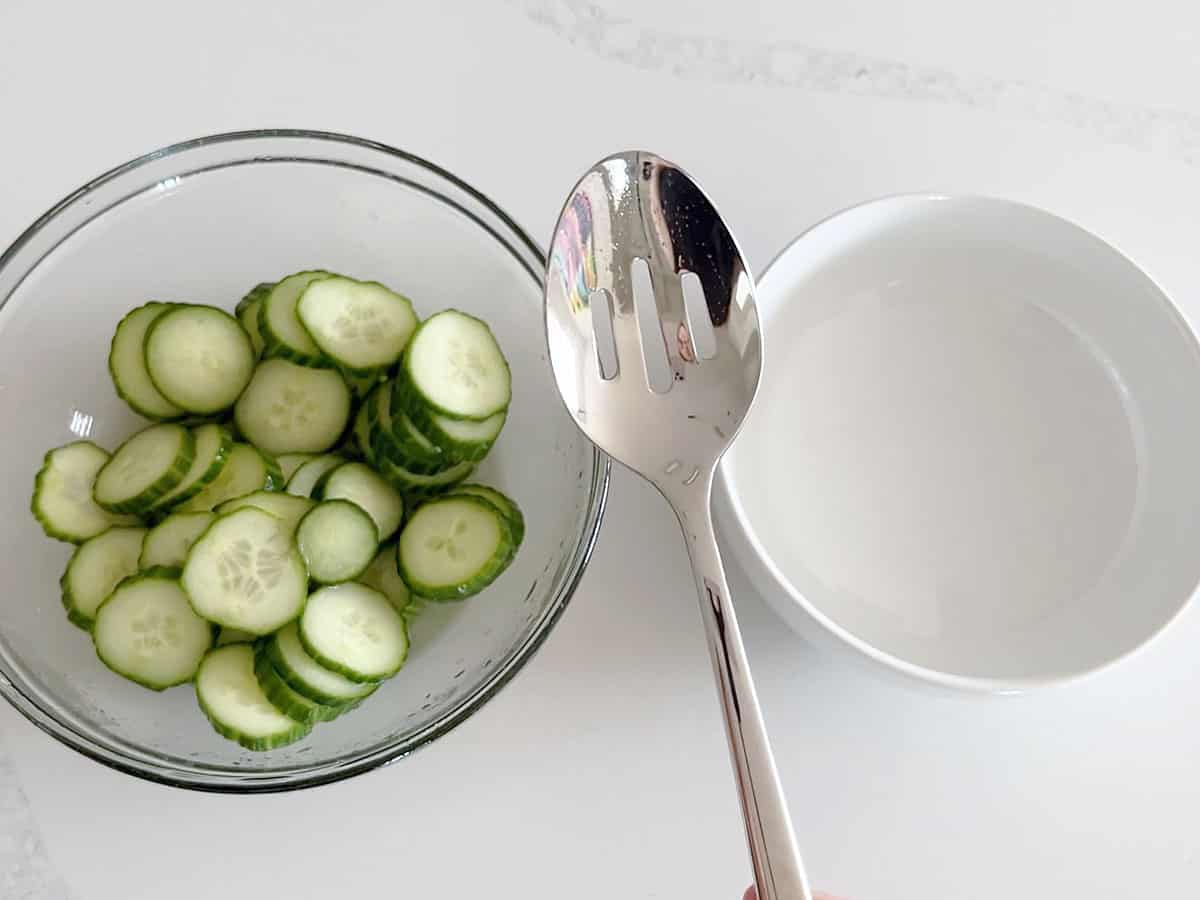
(490, 571)
(345, 671)
(359, 438)
(299, 685)
(424, 418)
(455, 449)
(271, 742)
(255, 293)
(167, 482)
(257, 745)
(414, 488)
(287, 699)
(417, 404)
(388, 440)
(161, 510)
(276, 347)
(249, 319)
(75, 617)
(116, 383)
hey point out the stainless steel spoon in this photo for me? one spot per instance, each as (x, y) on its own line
(662, 384)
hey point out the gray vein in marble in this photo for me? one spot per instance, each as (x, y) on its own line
(788, 64)
(26, 872)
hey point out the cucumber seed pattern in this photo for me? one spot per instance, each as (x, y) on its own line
(361, 322)
(153, 630)
(466, 365)
(251, 572)
(358, 626)
(447, 544)
(294, 409)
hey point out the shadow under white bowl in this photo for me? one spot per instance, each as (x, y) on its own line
(975, 454)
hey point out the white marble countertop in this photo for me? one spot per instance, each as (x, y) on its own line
(601, 771)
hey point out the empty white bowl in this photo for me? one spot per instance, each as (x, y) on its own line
(975, 454)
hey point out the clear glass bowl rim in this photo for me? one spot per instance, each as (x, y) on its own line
(144, 765)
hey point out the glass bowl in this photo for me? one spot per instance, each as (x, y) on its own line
(204, 221)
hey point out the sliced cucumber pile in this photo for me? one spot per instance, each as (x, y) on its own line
(237, 706)
(286, 608)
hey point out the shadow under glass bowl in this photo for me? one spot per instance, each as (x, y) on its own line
(204, 221)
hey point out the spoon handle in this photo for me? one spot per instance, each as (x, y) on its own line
(778, 871)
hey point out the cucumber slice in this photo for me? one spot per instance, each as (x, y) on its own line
(306, 477)
(454, 547)
(233, 636)
(62, 494)
(414, 485)
(362, 433)
(127, 365)
(306, 675)
(247, 314)
(363, 487)
(360, 325)
(396, 438)
(245, 573)
(167, 543)
(287, 508)
(289, 408)
(246, 471)
(230, 697)
(145, 468)
(199, 357)
(147, 632)
(384, 577)
(290, 462)
(464, 439)
(279, 325)
(454, 366)
(338, 540)
(214, 444)
(502, 502)
(355, 631)
(95, 569)
(287, 699)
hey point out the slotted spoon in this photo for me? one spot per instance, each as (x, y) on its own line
(662, 383)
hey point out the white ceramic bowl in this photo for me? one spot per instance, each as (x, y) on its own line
(975, 455)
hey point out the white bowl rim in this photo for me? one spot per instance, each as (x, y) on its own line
(749, 539)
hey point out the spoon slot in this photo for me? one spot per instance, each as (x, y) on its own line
(700, 327)
(600, 302)
(654, 345)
